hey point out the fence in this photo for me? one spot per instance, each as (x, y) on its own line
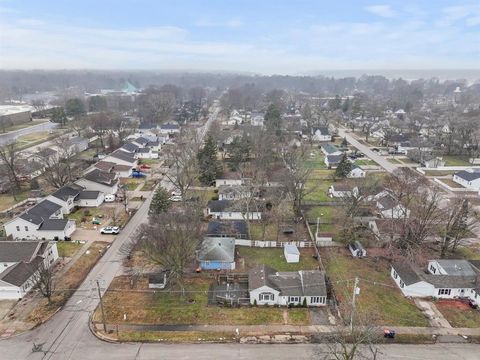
(273, 243)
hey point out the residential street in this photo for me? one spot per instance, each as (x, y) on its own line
(12, 135)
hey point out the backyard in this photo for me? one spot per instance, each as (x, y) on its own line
(190, 306)
(315, 160)
(317, 190)
(67, 248)
(379, 299)
(274, 257)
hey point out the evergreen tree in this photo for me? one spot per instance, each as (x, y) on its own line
(160, 202)
(74, 107)
(238, 151)
(344, 142)
(344, 167)
(208, 163)
(273, 120)
(57, 115)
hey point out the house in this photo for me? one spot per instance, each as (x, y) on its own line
(146, 153)
(426, 160)
(129, 147)
(19, 265)
(321, 134)
(121, 157)
(237, 229)
(291, 253)
(356, 172)
(231, 210)
(357, 249)
(332, 161)
(233, 192)
(97, 180)
(391, 208)
(257, 118)
(169, 129)
(140, 142)
(469, 178)
(444, 279)
(228, 182)
(267, 286)
(42, 221)
(217, 253)
(77, 144)
(330, 149)
(71, 196)
(340, 190)
(122, 171)
(155, 145)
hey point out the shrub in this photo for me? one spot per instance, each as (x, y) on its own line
(86, 212)
(255, 302)
(304, 303)
(215, 197)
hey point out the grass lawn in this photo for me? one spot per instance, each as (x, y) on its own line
(274, 257)
(395, 161)
(317, 190)
(24, 125)
(167, 307)
(131, 184)
(456, 160)
(80, 214)
(385, 305)
(69, 282)
(36, 136)
(325, 213)
(365, 162)
(256, 231)
(67, 248)
(459, 314)
(439, 172)
(150, 161)
(176, 336)
(148, 186)
(87, 154)
(321, 174)
(315, 160)
(451, 183)
(205, 195)
(7, 200)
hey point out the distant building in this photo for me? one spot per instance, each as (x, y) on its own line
(468, 178)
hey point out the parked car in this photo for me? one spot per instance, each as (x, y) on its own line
(138, 174)
(110, 230)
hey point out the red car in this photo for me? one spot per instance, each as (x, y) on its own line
(145, 166)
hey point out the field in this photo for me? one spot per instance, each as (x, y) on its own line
(149, 185)
(185, 307)
(273, 257)
(382, 302)
(131, 184)
(458, 313)
(7, 200)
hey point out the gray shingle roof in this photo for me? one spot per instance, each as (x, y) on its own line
(233, 228)
(19, 273)
(101, 177)
(89, 195)
(217, 249)
(408, 275)
(122, 155)
(16, 251)
(130, 147)
(54, 224)
(41, 211)
(467, 175)
(67, 191)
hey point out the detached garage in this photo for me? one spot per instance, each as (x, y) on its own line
(291, 252)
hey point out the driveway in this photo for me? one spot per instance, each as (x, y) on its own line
(91, 235)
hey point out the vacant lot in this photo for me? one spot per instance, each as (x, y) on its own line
(174, 306)
(273, 257)
(69, 282)
(382, 302)
(458, 313)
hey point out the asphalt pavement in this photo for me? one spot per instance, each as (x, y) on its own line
(12, 135)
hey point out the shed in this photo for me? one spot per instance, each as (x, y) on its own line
(292, 255)
(157, 280)
(357, 249)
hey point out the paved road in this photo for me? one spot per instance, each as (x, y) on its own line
(12, 135)
(387, 165)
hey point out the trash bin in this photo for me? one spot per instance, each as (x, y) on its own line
(389, 334)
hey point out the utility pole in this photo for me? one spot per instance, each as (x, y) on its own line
(355, 286)
(101, 307)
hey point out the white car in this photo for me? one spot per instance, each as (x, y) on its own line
(110, 230)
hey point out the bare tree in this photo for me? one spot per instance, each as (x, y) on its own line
(9, 160)
(171, 239)
(44, 282)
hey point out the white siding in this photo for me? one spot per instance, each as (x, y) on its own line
(91, 185)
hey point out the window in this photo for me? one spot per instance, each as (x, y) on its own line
(395, 275)
(444, 291)
(294, 299)
(26, 228)
(317, 300)
(18, 228)
(266, 297)
(433, 269)
(402, 284)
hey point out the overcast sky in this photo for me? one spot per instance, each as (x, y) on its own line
(261, 36)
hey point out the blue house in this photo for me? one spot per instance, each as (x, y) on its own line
(217, 253)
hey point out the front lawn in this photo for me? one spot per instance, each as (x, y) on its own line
(456, 160)
(382, 302)
(150, 161)
(451, 183)
(188, 307)
(361, 162)
(131, 184)
(459, 314)
(273, 257)
(149, 185)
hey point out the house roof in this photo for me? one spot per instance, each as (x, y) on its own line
(387, 202)
(54, 224)
(16, 251)
(330, 148)
(101, 177)
(235, 189)
(105, 165)
(88, 195)
(144, 150)
(19, 273)
(77, 140)
(40, 212)
(450, 281)
(169, 127)
(219, 205)
(141, 140)
(229, 228)
(408, 275)
(334, 159)
(122, 155)
(217, 249)
(67, 191)
(342, 187)
(118, 168)
(130, 147)
(260, 276)
(468, 175)
(323, 130)
(457, 267)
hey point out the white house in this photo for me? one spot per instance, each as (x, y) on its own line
(342, 190)
(321, 134)
(19, 264)
(267, 286)
(42, 221)
(70, 196)
(129, 147)
(257, 119)
(391, 209)
(77, 144)
(332, 161)
(356, 172)
(231, 210)
(97, 180)
(169, 129)
(330, 149)
(232, 192)
(446, 279)
(468, 178)
(122, 171)
(291, 253)
(217, 253)
(146, 153)
(121, 157)
(228, 182)
(141, 142)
